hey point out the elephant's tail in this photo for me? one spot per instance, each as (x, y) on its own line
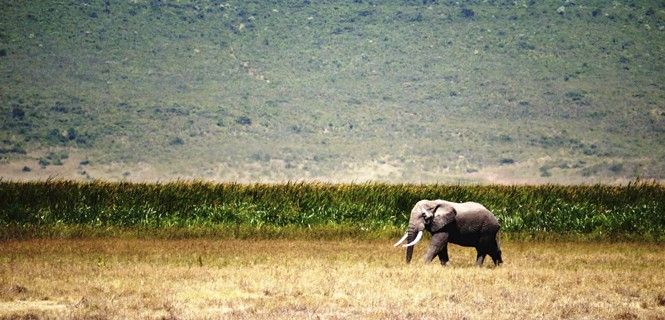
(498, 247)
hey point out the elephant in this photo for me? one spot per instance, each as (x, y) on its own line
(468, 224)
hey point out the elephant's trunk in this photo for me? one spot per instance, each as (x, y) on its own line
(410, 237)
(409, 250)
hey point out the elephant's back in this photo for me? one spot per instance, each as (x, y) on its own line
(475, 217)
(470, 207)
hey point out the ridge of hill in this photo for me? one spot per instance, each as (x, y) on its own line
(395, 91)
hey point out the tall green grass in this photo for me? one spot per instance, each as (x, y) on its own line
(56, 208)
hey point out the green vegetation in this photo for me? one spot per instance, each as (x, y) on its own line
(417, 91)
(64, 208)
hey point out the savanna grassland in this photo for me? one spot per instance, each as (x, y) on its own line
(318, 279)
(522, 91)
(114, 96)
(194, 250)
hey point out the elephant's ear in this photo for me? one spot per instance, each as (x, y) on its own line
(430, 208)
(443, 215)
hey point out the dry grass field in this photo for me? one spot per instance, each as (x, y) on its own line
(285, 279)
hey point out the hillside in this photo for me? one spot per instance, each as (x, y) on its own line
(398, 91)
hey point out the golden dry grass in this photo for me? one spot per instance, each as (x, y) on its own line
(234, 279)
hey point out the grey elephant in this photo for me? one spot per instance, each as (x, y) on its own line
(468, 224)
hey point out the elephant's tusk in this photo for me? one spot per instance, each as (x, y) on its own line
(401, 240)
(413, 243)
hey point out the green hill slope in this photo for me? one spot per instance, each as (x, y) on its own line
(504, 91)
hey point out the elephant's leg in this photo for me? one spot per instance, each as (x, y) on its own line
(480, 256)
(443, 255)
(485, 246)
(439, 242)
(495, 253)
(496, 257)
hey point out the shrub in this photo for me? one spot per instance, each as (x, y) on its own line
(17, 112)
(575, 95)
(71, 133)
(43, 162)
(616, 168)
(467, 13)
(177, 141)
(244, 120)
(54, 136)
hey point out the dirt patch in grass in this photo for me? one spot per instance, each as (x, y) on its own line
(26, 309)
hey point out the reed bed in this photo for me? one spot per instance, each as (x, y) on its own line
(317, 210)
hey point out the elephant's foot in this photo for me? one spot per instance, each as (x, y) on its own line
(480, 260)
(496, 258)
(428, 260)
